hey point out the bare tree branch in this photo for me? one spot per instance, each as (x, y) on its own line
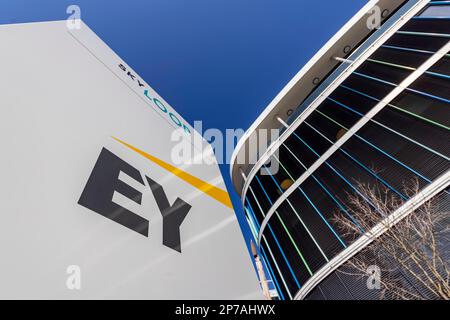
(410, 253)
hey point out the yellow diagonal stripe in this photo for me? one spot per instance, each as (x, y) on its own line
(212, 191)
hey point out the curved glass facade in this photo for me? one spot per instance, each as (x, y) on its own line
(372, 130)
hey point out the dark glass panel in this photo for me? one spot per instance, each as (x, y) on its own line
(405, 58)
(442, 66)
(318, 143)
(295, 230)
(441, 26)
(417, 42)
(312, 219)
(372, 88)
(271, 179)
(383, 72)
(426, 133)
(417, 159)
(429, 108)
(325, 126)
(377, 166)
(294, 167)
(280, 250)
(353, 99)
(433, 85)
(301, 150)
(339, 113)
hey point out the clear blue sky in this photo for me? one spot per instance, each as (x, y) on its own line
(219, 61)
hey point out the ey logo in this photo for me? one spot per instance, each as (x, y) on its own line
(104, 182)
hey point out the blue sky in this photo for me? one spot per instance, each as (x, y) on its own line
(219, 61)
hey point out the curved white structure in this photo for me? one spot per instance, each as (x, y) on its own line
(362, 111)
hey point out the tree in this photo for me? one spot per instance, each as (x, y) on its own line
(412, 255)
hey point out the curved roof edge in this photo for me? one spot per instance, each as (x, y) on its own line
(345, 41)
